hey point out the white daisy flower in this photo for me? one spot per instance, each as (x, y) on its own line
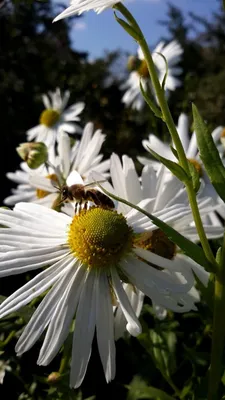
(56, 116)
(79, 6)
(40, 185)
(192, 153)
(172, 52)
(165, 195)
(88, 257)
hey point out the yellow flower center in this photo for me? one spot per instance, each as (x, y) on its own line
(143, 69)
(99, 237)
(49, 117)
(40, 193)
(156, 242)
(197, 165)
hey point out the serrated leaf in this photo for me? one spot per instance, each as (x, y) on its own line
(209, 154)
(175, 168)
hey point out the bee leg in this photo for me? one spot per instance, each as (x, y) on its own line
(76, 204)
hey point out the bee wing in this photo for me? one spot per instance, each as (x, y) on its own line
(74, 178)
(94, 184)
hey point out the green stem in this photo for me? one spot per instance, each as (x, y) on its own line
(218, 334)
(167, 117)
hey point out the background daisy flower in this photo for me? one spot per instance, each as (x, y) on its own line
(55, 117)
(191, 150)
(40, 185)
(172, 52)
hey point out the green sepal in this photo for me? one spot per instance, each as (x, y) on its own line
(209, 154)
(128, 28)
(150, 103)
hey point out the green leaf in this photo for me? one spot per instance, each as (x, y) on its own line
(128, 28)
(175, 168)
(138, 389)
(209, 154)
(174, 152)
(195, 177)
(150, 103)
(189, 248)
(161, 346)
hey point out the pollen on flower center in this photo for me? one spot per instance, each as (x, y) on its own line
(40, 193)
(49, 117)
(99, 237)
(157, 242)
(197, 165)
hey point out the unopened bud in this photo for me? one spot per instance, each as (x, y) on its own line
(34, 153)
(53, 378)
(133, 63)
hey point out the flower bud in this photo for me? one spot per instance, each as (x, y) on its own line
(133, 63)
(34, 153)
(53, 378)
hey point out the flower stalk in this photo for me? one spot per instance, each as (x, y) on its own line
(218, 334)
(167, 118)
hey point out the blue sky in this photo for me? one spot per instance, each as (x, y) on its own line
(96, 33)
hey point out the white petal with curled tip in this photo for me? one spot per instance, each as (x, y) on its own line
(35, 286)
(105, 327)
(136, 298)
(43, 314)
(201, 273)
(133, 325)
(84, 330)
(62, 317)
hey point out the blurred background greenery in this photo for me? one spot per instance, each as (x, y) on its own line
(36, 56)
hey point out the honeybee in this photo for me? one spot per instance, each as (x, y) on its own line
(81, 194)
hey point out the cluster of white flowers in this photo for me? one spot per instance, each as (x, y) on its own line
(98, 260)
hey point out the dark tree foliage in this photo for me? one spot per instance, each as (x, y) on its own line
(203, 42)
(36, 56)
